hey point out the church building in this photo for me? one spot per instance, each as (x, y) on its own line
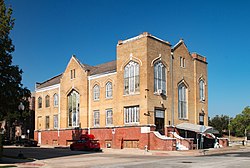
(146, 97)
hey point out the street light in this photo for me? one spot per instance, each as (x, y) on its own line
(21, 109)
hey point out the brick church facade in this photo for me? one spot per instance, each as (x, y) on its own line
(134, 101)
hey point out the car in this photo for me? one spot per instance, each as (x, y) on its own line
(87, 143)
(27, 142)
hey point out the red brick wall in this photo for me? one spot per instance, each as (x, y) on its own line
(160, 144)
(117, 138)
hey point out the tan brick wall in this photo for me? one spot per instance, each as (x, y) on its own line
(144, 50)
(80, 85)
(45, 111)
(103, 103)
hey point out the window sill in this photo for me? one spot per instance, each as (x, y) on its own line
(108, 98)
(108, 126)
(184, 119)
(132, 94)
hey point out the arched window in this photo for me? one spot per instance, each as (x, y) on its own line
(55, 99)
(39, 102)
(182, 101)
(47, 101)
(159, 78)
(108, 90)
(131, 78)
(96, 92)
(202, 90)
(73, 109)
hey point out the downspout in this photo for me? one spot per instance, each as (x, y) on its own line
(89, 105)
(172, 88)
(59, 114)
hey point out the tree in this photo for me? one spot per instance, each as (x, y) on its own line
(11, 88)
(220, 123)
(241, 122)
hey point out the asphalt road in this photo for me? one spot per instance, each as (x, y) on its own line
(50, 157)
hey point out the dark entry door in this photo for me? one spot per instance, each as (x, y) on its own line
(160, 121)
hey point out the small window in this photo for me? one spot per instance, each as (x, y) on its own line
(109, 117)
(56, 100)
(72, 74)
(202, 90)
(55, 121)
(109, 90)
(131, 115)
(96, 118)
(96, 92)
(47, 101)
(182, 62)
(39, 102)
(47, 122)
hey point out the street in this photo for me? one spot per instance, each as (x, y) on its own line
(63, 157)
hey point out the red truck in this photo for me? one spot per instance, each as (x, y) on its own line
(86, 142)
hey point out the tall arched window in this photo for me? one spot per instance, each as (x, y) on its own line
(39, 102)
(202, 90)
(96, 93)
(55, 99)
(108, 90)
(47, 104)
(182, 101)
(159, 77)
(131, 78)
(73, 109)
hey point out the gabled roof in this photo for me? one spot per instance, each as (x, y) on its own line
(181, 41)
(52, 81)
(103, 68)
(94, 70)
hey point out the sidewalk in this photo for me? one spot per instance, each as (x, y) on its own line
(9, 161)
(201, 152)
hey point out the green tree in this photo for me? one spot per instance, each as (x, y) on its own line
(11, 88)
(220, 123)
(241, 122)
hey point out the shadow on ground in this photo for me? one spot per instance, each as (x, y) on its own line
(12, 155)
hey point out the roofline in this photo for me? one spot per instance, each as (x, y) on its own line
(144, 34)
(38, 83)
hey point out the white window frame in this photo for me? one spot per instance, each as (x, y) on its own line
(47, 101)
(109, 117)
(46, 122)
(56, 99)
(96, 117)
(182, 102)
(55, 118)
(159, 78)
(40, 102)
(109, 90)
(96, 92)
(202, 90)
(131, 78)
(131, 115)
(73, 109)
(182, 62)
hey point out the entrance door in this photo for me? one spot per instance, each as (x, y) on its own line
(160, 121)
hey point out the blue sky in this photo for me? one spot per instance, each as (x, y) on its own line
(48, 32)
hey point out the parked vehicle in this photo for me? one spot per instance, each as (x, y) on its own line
(27, 142)
(86, 142)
